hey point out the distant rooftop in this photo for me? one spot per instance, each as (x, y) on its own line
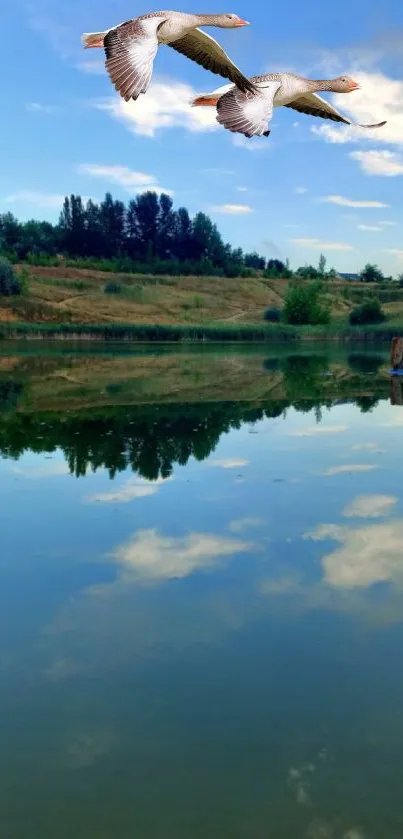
(349, 276)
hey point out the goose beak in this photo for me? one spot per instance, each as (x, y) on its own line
(354, 86)
(241, 22)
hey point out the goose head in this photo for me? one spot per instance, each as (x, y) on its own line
(343, 84)
(229, 21)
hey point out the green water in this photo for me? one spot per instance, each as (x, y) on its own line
(201, 594)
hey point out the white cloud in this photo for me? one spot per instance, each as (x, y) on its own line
(319, 429)
(242, 189)
(231, 209)
(349, 202)
(321, 245)
(388, 223)
(229, 463)
(130, 180)
(92, 68)
(370, 228)
(154, 557)
(395, 252)
(350, 468)
(300, 190)
(370, 506)
(39, 108)
(167, 105)
(397, 420)
(134, 488)
(367, 555)
(48, 200)
(380, 98)
(379, 162)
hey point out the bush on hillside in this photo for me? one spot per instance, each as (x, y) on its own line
(9, 283)
(303, 305)
(272, 314)
(369, 312)
(112, 287)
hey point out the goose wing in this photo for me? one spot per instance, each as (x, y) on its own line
(204, 50)
(247, 113)
(311, 103)
(130, 50)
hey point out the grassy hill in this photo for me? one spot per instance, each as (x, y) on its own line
(74, 295)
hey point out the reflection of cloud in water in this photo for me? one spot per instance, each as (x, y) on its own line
(134, 488)
(349, 468)
(396, 422)
(370, 506)
(48, 469)
(229, 463)
(239, 525)
(319, 429)
(155, 557)
(368, 554)
(367, 447)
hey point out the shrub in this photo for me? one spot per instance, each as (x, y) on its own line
(9, 283)
(112, 287)
(302, 304)
(369, 312)
(272, 314)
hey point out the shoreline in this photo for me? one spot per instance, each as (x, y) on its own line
(181, 334)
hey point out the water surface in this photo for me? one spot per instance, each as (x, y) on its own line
(201, 594)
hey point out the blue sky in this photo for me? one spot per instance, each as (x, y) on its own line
(311, 186)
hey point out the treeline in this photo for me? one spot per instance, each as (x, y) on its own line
(147, 235)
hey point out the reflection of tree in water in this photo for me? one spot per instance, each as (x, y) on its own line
(362, 362)
(10, 393)
(150, 439)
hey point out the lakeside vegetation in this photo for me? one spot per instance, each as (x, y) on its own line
(148, 272)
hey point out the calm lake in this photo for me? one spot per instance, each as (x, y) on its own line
(201, 594)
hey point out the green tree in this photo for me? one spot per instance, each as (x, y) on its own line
(304, 304)
(9, 284)
(371, 274)
(322, 265)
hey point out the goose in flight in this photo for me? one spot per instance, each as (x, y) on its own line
(250, 113)
(131, 47)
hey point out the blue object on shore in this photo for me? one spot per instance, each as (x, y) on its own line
(396, 372)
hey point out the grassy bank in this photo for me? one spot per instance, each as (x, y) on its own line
(72, 304)
(144, 333)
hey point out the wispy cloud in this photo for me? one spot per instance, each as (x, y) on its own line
(132, 489)
(369, 228)
(167, 105)
(398, 252)
(96, 67)
(370, 506)
(133, 182)
(151, 556)
(231, 209)
(340, 201)
(300, 190)
(240, 525)
(321, 244)
(349, 468)
(40, 108)
(319, 429)
(379, 162)
(48, 200)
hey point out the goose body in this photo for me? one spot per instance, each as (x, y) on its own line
(131, 47)
(250, 113)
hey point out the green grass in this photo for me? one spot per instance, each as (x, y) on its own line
(191, 333)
